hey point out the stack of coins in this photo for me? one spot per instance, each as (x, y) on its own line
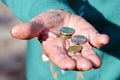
(77, 40)
(66, 32)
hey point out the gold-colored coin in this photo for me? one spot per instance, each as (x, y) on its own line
(75, 48)
(64, 36)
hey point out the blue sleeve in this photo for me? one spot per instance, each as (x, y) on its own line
(25, 10)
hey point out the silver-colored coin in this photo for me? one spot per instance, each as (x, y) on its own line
(78, 39)
(67, 31)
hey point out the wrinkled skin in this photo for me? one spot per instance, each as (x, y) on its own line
(46, 27)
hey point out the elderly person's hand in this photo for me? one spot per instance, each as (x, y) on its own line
(46, 27)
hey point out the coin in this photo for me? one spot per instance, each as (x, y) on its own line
(66, 31)
(64, 36)
(78, 39)
(75, 48)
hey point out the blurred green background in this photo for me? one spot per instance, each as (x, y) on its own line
(12, 51)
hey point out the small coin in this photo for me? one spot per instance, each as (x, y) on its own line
(66, 30)
(75, 48)
(78, 39)
(64, 36)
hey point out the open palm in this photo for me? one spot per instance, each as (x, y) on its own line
(46, 27)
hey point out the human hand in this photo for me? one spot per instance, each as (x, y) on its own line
(46, 27)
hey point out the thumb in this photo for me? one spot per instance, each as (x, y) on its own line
(27, 30)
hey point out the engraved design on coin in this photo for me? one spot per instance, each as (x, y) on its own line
(66, 30)
(78, 39)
